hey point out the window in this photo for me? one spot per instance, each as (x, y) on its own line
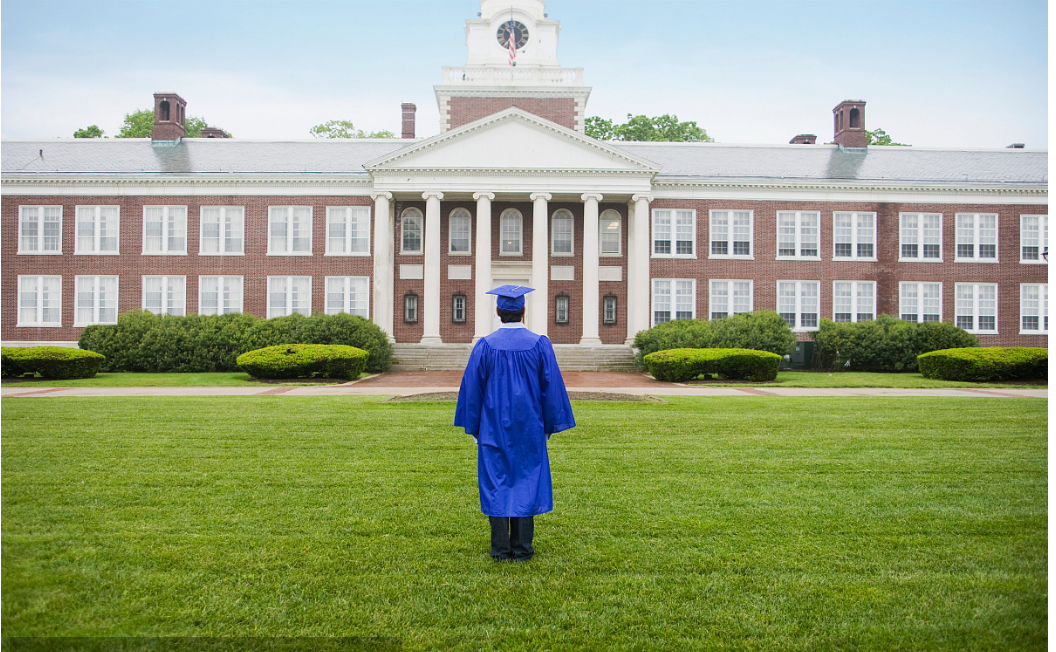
(348, 231)
(674, 298)
(458, 232)
(920, 302)
(411, 232)
(219, 295)
(40, 230)
(289, 294)
(458, 308)
(797, 303)
(977, 307)
(732, 234)
(96, 300)
(347, 294)
(853, 301)
(854, 236)
(1033, 238)
(98, 228)
(40, 301)
(976, 238)
(1033, 308)
(510, 225)
(222, 229)
(729, 297)
(561, 309)
(410, 308)
(290, 230)
(165, 295)
(608, 310)
(561, 240)
(165, 230)
(609, 225)
(797, 234)
(920, 237)
(674, 233)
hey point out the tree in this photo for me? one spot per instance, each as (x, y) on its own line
(89, 132)
(599, 128)
(880, 137)
(139, 124)
(345, 129)
(665, 128)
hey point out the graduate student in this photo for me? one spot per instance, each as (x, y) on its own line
(511, 400)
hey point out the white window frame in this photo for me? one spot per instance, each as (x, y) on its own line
(561, 308)
(800, 217)
(856, 289)
(40, 238)
(676, 289)
(1042, 237)
(288, 284)
(229, 218)
(167, 283)
(976, 238)
(959, 309)
(460, 214)
(729, 293)
(1042, 309)
(172, 225)
(919, 290)
(672, 223)
(97, 305)
(561, 215)
(224, 285)
(455, 308)
(799, 288)
(609, 217)
(285, 215)
(407, 307)
(414, 215)
(354, 242)
(605, 302)
(859, 235)
(40, 297)
(94, 213)
(352, 300)
(918, 233)
(511, 213)
(714, 227)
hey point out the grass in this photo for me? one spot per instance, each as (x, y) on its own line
(696, 524)
(217, 379)
(864, 379)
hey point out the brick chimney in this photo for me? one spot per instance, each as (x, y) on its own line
(803, 139)
(849, 122)
(213, 132)
(408, 120)
(169, 117)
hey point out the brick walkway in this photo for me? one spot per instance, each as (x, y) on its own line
(575, 379)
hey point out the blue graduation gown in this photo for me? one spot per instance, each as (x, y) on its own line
(512, 399)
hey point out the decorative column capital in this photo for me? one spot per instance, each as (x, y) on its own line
(431, 194)
(645, 196)
(381, 193)
(490, 196)
(596, 196)
(540, 195)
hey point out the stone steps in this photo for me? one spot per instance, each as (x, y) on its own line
(453, 357)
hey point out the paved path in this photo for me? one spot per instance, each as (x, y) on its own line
(425, 382)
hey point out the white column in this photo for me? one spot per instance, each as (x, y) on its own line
(590, 270)
(638, 293)
(431, 313)
(383, 263)
(538, 310)
(483, 318)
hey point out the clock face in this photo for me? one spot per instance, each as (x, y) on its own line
(520, 35)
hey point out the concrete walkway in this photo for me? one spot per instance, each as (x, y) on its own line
(427, 382)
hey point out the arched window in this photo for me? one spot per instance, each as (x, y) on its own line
(511, 234)
(458, 231)
(411, 232)
(561, 239)
(609, 233)
(855, 119)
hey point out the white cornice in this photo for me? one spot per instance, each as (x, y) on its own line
(68, 184)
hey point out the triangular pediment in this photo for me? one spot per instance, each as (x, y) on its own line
(512, 140)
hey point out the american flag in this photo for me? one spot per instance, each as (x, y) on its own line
(513, 44)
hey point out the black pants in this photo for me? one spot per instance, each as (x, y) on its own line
(511, 537)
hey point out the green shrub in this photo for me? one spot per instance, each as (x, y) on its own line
(884, 344)
(53, 362)
(986, 363)
(763, 330)
(9, 364)
(304, 361)
(678, 365)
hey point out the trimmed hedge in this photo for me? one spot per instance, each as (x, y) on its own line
(677, 365)
(884, 344)
(762, 330)
(145, 342)
(986, 363)
(51, 362)
(305, 361)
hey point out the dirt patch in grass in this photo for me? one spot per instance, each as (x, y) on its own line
(575, 396)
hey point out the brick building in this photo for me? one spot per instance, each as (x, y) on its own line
(615, 236)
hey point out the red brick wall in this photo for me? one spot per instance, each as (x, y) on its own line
(464, 110)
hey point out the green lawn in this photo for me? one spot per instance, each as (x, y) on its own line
(700, 523)
(218, 379)
(860, 379)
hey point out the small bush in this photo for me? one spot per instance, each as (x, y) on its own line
(679, 365)
(305, 361)
(986, 363)
(763, 330)
(9, 364)
(884, 344)
(52, 362)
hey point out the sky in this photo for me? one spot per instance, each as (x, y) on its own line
(946, 74)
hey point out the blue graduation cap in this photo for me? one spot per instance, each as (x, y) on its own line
(511, 297)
